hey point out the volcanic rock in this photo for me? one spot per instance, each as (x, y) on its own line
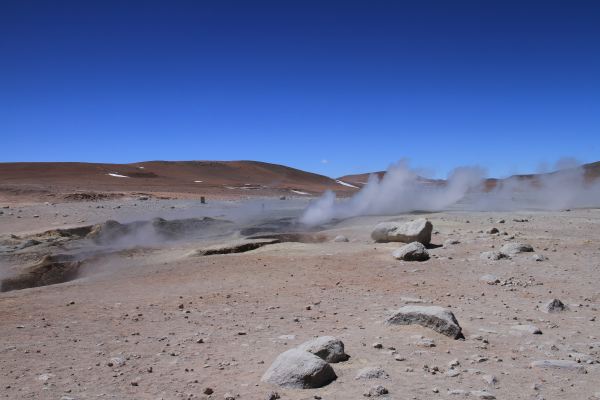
(554, 305)
(418, 230)
(328, 348)
(299, 369)
(559, 365)
(515, 248)
(437, 318)
(414, 251)
(371, 373)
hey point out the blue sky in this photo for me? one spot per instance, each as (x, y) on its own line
(329, 87)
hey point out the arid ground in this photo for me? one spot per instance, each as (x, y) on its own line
(153, 320)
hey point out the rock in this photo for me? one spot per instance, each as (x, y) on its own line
(299, 369)
(538, 257)
(340, 239)
(450, 242)
(482, 394)
(554, 306)
(492, 255)
(418, 230)
(490, 379)
(371, 373)
(492, 231)
(208, 391)
(437, 318)
(414, 251)
(582, 358)
(116, 362)
(452, 373)
(515, 248)
(229, 396)
(534, 330)
(328, 348)
(273, 396)
(500, 221)
(377, 345)
(376, 391)
(490, 279)
(558, 364)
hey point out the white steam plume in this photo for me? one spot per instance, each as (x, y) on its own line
(400, 190)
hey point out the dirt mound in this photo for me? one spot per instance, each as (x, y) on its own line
(49, 271)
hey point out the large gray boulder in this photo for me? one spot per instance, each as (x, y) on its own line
(418, 230)
(328, 348)
(414, 251)
(299, 369)
(439, 319)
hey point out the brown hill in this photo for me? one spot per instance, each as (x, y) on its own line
(215, 178)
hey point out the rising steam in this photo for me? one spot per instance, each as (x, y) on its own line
(403, 190)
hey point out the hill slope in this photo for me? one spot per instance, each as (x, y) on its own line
(215, 178)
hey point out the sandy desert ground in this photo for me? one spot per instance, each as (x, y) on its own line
(151, 321)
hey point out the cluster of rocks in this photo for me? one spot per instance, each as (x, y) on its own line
(507, 251)
(416, 233)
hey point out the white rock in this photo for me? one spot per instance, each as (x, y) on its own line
(299, 369)
(328, 348)
(515, 248)
(559, 364)
(340, 239)
(534, 330)
(418, 230)
(414, 251)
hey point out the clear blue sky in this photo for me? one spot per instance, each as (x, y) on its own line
(330, 87)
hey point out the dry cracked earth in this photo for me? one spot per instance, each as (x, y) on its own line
(165, 322)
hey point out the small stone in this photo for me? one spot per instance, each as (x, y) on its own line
(273, 396)
(492, 255)
(534, 330)
(340, 239)
(554, 306)
(558, 365)
(371, 373)
(208, 391)
(376, 391)
(490, 379)
(515, 248)
(377, 345)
